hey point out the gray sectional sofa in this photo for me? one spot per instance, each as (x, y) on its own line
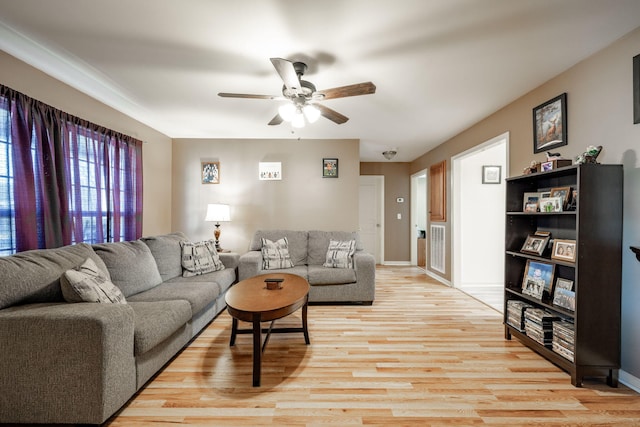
(308, 252)
(78, 363)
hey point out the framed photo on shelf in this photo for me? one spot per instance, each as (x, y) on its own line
(551, 204)
(550, 124)
(564, 192)
(535, 244)
(564, 298)
(329, 168)
(538, 278)
(530, 198)
(491, 174)
(564, 284)
(564, 250)
(210, 172)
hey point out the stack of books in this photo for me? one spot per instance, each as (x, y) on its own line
(563, 339)
(515, 313)
(538, 325)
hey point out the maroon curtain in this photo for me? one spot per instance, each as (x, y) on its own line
(73, 181)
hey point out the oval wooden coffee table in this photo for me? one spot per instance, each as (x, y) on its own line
(250, 301)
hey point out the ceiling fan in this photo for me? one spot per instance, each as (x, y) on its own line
(304, 98)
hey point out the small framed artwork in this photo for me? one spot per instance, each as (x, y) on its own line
(550, 124)
(270, 171)
(535, 244)
(564, 192)
(329, 168)
(565, 298)
(538, 278)
(210, 172)
(530, 202)
(491, 174)
(546, 166)
(564, 250)
(551, 204)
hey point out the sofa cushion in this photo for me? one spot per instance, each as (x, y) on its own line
(340, 254)
(167, 252)
(34, 276)
(319, 243)
(297, 243)
(319, 275)
(275, 255)
(200, 258)
(298, 270)
(198, 292)
(87, 283)
(131, 265)
(156, 321)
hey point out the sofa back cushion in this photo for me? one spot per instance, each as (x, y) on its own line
(167, 252)
(297, 243)
(319, 243)
(131, 265)
(34, 276)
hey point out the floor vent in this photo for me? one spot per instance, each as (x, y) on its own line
(437, 248)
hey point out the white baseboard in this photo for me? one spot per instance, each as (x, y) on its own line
(396, 263)
(629, 380)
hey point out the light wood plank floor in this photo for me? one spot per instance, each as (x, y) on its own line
(423, 354)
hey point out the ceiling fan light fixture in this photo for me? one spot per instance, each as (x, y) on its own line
(311, 113)
(298, 120)
(287, 112)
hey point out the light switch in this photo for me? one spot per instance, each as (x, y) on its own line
(399, 216)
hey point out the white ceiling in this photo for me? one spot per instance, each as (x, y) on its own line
(439, 65)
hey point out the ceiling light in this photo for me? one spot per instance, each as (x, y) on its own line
(287, 111)
(389, 154)
(311, 113)
(298, 119)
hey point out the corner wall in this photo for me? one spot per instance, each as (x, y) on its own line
(600, 112)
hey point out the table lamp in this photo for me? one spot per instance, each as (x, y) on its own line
(217, 212)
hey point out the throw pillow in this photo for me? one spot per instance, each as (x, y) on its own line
(200, 258)
(88, 283)
(275, 255)
(340, 254)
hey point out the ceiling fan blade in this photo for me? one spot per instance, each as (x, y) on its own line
(276, 120)
(246, 95)
(287, 73)
(330, 114)
(351, 90)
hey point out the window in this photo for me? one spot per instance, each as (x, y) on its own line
(64, 180)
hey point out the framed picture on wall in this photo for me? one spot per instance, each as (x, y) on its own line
(491, 174)
(210, 172)
(329, 168)
(270, 171)
(550, 124)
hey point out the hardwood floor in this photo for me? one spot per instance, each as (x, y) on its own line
(423, 354)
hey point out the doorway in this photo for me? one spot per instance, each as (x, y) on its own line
(478, 223)
(371, 215)
(419, 218)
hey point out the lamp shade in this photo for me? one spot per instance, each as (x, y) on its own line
(217, 212)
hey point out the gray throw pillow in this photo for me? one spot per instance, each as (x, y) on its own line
(275, 255)
(88, 283)
(340, 254)
(200, 258)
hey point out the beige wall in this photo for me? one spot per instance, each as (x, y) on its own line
(302, 200)
(397, 183)
(156, 152)
(600, 112)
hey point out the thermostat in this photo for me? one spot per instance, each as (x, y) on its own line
(400, 200)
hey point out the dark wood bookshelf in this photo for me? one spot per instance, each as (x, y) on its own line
(595, 224)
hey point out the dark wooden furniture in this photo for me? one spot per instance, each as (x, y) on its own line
(596, 226)
(250, 301)
(422, 252)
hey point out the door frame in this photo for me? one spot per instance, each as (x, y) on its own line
(415, 200)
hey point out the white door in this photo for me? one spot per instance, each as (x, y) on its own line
(371, 215)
